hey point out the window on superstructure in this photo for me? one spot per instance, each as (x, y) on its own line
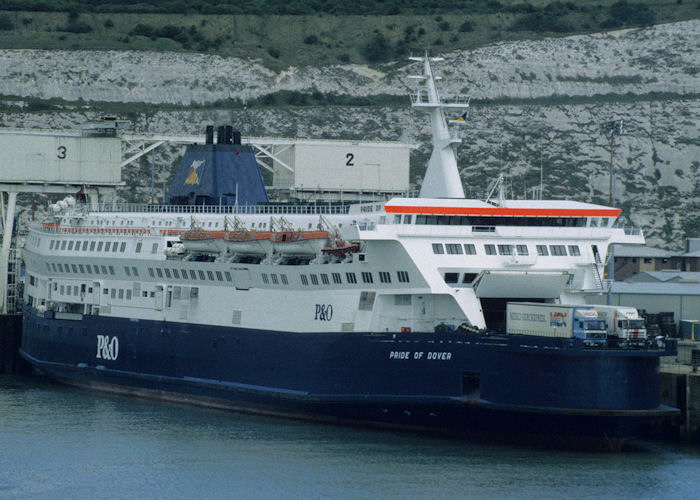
(402, 300)
(490, 249)
(113, 293)
(138, 247)
(127, 271)
(121, 294)
(154, 248)
(265, 278)
(574, 250)
(438, 248)
(193, 275)
(63, 244)
(336, 278)
(128, 294)
(304, 280)
(105, 291)
(219, 276)
(469, 249)
(453, 249)
(403, 276)
(92, 246)
(397, 219)
(275, 281)
(283, 277)
(210, 275)
(367, 277)
(451, 277)
(85, 245)
(51, 244)
(176, 274)
(115, 246)
(324, 279)
(134, 271)
(60, 267)
(542, 250)
(151, 273)
(314, 279)
(100, 244)
(228, 275)
(167, 273)
(108, 245)
(159, 272)
(103, 269)
(522, 249)
(557, 250)
(407, 219)
(74, 268)
(505, 249)
(70, 245)
(351, 278)
(200, 273)
(384, 277)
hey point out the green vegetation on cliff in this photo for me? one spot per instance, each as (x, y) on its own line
(299, 32)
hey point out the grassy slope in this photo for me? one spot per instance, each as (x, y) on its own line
(280, 40)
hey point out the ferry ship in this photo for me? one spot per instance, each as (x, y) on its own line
(387, 314)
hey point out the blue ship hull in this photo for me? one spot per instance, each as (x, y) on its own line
(515, 388)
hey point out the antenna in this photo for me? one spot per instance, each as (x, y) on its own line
(610, 129)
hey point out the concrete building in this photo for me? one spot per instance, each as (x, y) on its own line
(631, 259)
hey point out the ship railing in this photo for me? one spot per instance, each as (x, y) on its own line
(261, 209)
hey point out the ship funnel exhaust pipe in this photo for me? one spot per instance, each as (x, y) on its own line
(237, 137)
(209, 135)
(221, 135)
(229, 134)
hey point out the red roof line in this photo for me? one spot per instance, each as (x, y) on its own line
(513, 212)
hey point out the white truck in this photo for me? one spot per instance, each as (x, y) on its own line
(624, 324)
(556, 320)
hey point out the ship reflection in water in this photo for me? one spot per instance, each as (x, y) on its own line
(60, 442)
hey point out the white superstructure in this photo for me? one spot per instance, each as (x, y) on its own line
(415, 263)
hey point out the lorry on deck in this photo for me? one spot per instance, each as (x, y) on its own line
(556, 320)
(625, 326)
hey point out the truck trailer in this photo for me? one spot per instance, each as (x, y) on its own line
(556, 320)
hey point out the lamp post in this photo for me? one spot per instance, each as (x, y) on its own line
(610, 129)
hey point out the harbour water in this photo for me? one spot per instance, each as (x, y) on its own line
(61, 442)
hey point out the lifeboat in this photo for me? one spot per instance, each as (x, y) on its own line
(246, 242)
(198, 240)
(300, 242)
(340, 248)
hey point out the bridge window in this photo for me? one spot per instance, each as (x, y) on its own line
(454, 249)
(542, 250)
(265, 278)
(314, 279)
(403, 276)
(522, 249)
(336, 278)
(367, 277)
(304, 280)
(490, 249)
(407, 219)
(469, 249)
(384, 277)
(557, 250)
(275, 281)
(352, 279)
(324, 279)
(438, 248)
(283, 277)
(505, 249)
(201, 275)
(574, 250)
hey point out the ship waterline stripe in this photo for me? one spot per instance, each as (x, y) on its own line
(513, 212)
